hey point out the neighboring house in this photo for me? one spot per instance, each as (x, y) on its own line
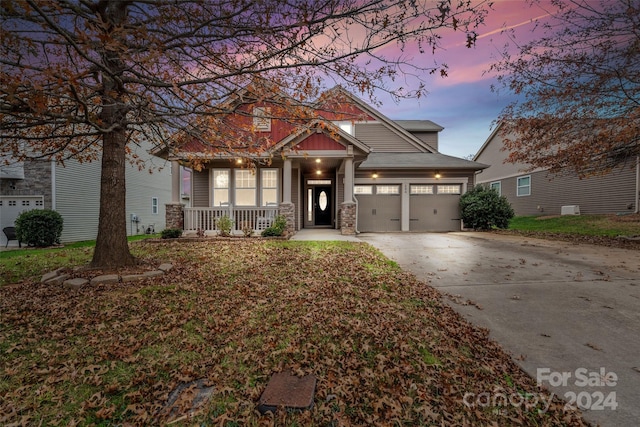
(539, 193)
(73, 190)
(366, 173)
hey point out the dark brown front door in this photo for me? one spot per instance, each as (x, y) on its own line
(322, 205)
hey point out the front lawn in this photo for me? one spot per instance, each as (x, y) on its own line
(386, 350)
(587, 225)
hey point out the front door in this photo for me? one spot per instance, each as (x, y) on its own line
(322, 205)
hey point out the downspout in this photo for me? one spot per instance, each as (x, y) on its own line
(53, 185)
(637, 184)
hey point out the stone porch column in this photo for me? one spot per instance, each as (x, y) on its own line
(348, 218)
(288, 210)
(174, 215)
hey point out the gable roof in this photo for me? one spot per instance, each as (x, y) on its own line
(488, 141)
(419, 125)
(324, 127)
(418, 161)
(338, 91)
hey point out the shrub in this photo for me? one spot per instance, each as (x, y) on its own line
(224, 225)
(277, 228)
(482, 208)
(171, 233)
(39, 227)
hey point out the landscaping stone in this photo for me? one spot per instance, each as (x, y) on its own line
(105, 279)
(57, 280)
(50, 275)
(165, 267)
(133, 278)
(286, 390)
(75, 283)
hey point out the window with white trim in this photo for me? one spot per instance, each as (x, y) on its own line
(421, 189)
(387, 189)
(154, 205)
(220, 196)
(524, 186)
(245, 187)
(262, 119)
(269, 186)
(497, 187)
(449, 189)
(363, 189)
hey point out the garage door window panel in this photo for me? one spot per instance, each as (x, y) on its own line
(363, 189)
(421, 189)
(387, 189)
(449, 189)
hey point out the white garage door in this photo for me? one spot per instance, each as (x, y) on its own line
(12, 206)
(434, 207)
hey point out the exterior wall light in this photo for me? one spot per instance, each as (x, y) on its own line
(318, 172)
(374, 175)
(437, 175)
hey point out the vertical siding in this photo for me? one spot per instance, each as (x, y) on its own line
(200, 188)
(381, 139)
(597, 195)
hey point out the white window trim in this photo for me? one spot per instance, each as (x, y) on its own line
(212, 186)
(262, 187)
(155, 209)
(499, 184)
(235, 187)
(518, 186)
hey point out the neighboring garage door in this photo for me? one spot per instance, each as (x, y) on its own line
(434, 207)
(379, 207)
(12, 206)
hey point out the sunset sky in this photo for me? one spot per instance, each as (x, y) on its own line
(463, 102)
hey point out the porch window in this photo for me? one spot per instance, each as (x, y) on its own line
(449, 189)
(245, 187)
(220, 187)
(269, 186)
(524, 186)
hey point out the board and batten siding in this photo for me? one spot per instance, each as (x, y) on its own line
(613, 193)
(381, 139)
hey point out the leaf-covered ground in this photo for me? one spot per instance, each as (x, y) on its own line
(384, 347)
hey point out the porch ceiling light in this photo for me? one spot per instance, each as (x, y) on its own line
(239, 161)
(318, 160)
(318, 172)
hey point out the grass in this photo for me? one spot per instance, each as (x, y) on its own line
(580, 225)
(26, 263)
(384, 347)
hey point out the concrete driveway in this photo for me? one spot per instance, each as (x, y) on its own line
(569, 314)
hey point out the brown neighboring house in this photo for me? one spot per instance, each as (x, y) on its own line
(539, 193)
(367, 173)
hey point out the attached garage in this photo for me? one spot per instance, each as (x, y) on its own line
(379, 207)
(12, 206)
(434, 207)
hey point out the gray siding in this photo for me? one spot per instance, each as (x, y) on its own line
(430, 138)
(597, 195)
(381, 139)
(200, 188)
(78, 199)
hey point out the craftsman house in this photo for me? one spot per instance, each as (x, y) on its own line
(538, 193)
(346, 167)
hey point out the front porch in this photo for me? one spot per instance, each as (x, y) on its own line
(244, 219)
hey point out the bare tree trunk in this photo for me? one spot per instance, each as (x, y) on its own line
(112, 247)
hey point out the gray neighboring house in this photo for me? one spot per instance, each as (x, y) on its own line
(539, 193)
(73, 190)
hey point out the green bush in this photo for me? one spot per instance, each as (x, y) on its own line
(277, 228)
(39, 227)
(482, 208)
(224, 225)
(171, 233)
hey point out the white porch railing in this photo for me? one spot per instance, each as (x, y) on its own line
(255, 218)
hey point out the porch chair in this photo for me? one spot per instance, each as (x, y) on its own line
(263, 222)
(10, 233)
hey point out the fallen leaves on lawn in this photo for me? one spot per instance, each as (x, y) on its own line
(385, 348)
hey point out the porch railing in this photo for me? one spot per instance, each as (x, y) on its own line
(244, 217)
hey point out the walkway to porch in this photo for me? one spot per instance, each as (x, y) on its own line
(323, 234)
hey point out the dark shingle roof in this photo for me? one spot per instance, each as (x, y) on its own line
(419, 125)
(418, 161)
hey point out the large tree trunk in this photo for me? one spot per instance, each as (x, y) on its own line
(112, 247)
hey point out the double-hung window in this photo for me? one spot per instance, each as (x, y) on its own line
(154, 205)
(269, 186)
(220, 187)
(245, 187)
(497, 187)
(524, 186)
